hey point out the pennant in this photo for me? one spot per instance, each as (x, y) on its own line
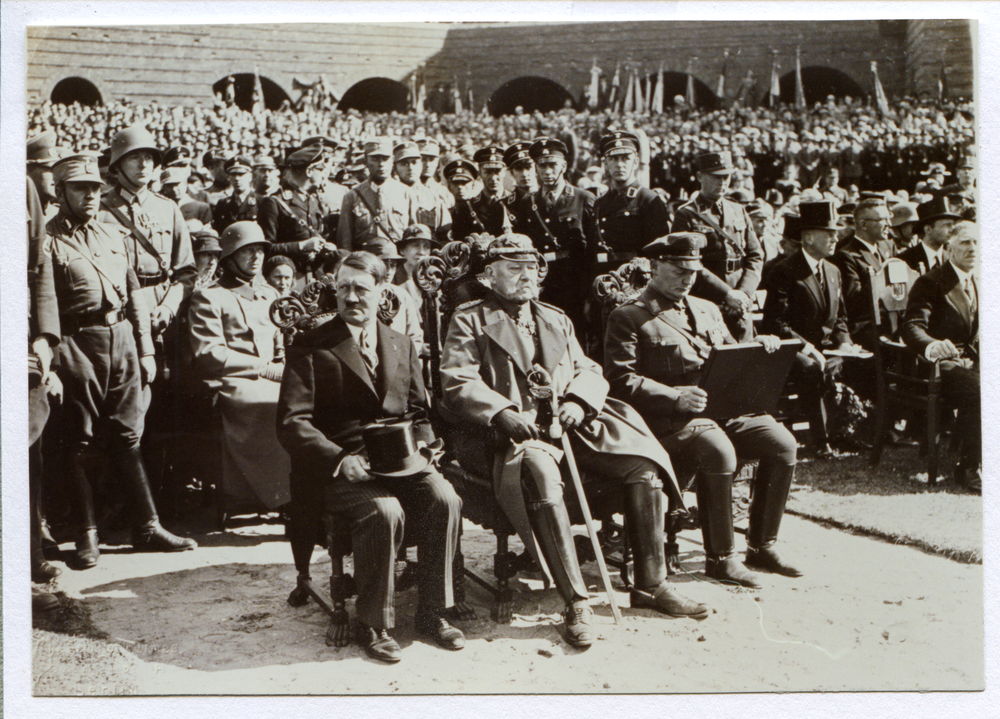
(614, 98)
(689, 92)
(774, 94)
(629, 93)
(800, 93)
(720, 89)
(881, 102)
(593, 93)
(257, 105)
(657, 104)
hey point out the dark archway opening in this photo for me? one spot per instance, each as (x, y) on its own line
(243, 84)
(76, 89)
(376, 94)
(529, 93)
(675, 83)
(817, 83)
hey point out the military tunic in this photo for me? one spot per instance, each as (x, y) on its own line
(628, 219)
(288, 217)
(480, 214)
(230, 210)
(370, 211)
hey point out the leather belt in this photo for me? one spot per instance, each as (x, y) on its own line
(553, 256)
(614, 256)
(151, 280)
(734, 265)
(100, 318)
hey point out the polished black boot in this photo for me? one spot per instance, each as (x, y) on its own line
(550, 524)
(87, 552)
(644, 523)
(147, 535)
(715, 509)
(766, 510)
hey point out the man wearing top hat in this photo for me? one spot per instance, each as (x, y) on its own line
(629, 216)
(244, 202)
(733, 257)
(105, 356)
(341, 378)
(517, 158)
(381, 206)
(494, 345)
(486, 212)
(430, 158)
(942, 324)
(805, 301)
(560, 221)
(291, 217)
(655, 348)
(935, 218)
(42, 154)
(430, 208)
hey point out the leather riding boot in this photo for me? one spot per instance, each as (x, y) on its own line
(87, 552)
(644, 522)
(766, 509)
(147, 533)
(715, 509)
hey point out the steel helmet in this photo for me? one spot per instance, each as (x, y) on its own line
(240, 234)
(133, 138)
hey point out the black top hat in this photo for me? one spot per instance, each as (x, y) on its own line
(392, 450)
(819, 216)
(680, 248)
(792, 229)
(937, 209)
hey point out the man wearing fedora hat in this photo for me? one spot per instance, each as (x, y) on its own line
(105, 356)
(805, 301)
(291, 217)
(173, 186)
(493, 348)
(733, 257)
(655, 347)
(341, 378)
(935, 218)
(963, 193)
(381, 206)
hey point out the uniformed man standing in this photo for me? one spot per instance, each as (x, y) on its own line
(629, 216)
(42, 154)
(266, 176)
(733, 254)
(431, 209)
(430, 156)
(291, 218)
(486, 212)
(243, 204)
(102, 318)
(517, 157)
(381, 206)
(328, 192)
(559, 219)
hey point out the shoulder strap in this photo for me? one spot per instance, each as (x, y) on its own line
(134, 231)
(361, 197)
(715, 226)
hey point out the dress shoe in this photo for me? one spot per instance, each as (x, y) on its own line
(87, 552)
(970, 479)
(378, 644)
(664, 600)
(50, 547)
(728, 569)
(155, 538)
(767, 560)
(43, 573)
(578, 631)
(42, 601)
(437, 628)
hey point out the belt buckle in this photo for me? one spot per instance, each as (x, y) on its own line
(111, 318)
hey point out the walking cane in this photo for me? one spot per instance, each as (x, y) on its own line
(540, 386)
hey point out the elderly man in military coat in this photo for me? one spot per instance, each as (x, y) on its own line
(655, 348)
(492, 348)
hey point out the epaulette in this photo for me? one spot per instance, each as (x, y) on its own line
(509, 199)
(632, 192)
(467, 305)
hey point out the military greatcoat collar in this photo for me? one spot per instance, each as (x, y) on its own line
(500, 327)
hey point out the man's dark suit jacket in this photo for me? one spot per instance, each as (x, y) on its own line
(915, 256)
(853, 261)
(795, 307)
(938, 309)
(328, 398)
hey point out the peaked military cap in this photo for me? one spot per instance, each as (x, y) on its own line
(405, 151)
(239, 163)
(619, 143)
(679, 248)
(179, 155)
(429, 147)
(305, 157)
(42, 149)
(489, 157)
(715, 163)
(77, 168)
(513, 247)
(520, 151)
(380, 146)
(545, 147)
(459, 169)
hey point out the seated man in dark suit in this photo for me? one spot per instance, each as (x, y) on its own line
(936, 219)
(339, 378)
(805, 301)
(942, 323)
(855, 258)
(656, 346)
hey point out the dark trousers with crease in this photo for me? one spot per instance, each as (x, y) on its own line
(378, 510)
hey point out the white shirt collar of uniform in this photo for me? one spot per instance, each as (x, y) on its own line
(811, 261)
(963, 276)
(356, 331)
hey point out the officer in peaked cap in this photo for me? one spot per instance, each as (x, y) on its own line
(178, 156)
(560, 221)
(381, 206)
(291, 217)
(629, 216)
(42, 154)
(106, 355)
(460, 176)
(430, 156)
(517, 157)
(733, 257)
(243, 203)
(486, 212)
(329, 193)
(266, 175)
(431, 210)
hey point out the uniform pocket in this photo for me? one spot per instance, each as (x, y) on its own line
(661, 358)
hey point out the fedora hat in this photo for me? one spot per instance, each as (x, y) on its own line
(819, 216)
(392, 449)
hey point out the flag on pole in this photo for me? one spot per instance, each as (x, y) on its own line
(640, 95)
(594, 91)
(257, 105)
(689, 92)
(471, 102)
(942, 83)
(800, 93)
(455, 93)
(629, 93)
(881, 102)
(720, 90)
(647, 94)
(774, 94)
(421, 96)
(413, 92)
(657, 102)
(614, 98)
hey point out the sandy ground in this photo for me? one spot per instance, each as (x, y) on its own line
(868, 615)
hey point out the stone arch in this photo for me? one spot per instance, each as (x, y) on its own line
(76, 89)
(376, 94)
(530, 93)
(818, 82)
(243, 84)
